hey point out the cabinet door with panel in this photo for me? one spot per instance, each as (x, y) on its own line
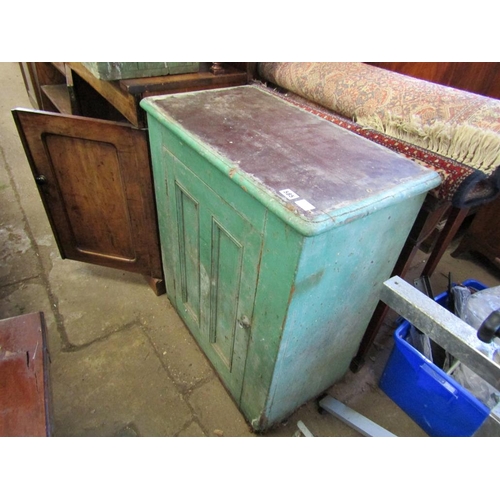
(93, 173)
(215, 271)
(95, 170)
(93, 178)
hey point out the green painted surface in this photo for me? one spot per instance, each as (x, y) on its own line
(214, 262)
(278, 306)
(123, 70)
(332, 303)
(280, 257)
(200, 161)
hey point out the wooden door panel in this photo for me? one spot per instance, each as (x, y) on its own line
(226, 277)
(190, 275)
(87, 188)
(96, 188)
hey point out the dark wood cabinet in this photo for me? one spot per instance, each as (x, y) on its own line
(87, 145)
(483, 235)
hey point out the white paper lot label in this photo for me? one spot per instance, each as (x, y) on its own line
(289, 194)
(305, 205)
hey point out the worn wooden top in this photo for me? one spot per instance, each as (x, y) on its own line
(302, 159)
(24, 398)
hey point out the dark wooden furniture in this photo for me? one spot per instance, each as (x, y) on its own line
(25, 403)
(89, 152)
(478, 77)
(483, 235)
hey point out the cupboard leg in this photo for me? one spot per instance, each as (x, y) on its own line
(157, 284)
(371, 332)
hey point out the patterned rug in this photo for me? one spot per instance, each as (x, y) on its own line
(359, 90)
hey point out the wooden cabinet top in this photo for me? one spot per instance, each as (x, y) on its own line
(304, 167)
(125, 95)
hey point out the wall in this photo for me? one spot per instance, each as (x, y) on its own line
(478, 77)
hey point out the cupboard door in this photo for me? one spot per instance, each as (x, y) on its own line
(95, 182)
(216, 261)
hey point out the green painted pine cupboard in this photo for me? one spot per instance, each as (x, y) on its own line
(277, 229)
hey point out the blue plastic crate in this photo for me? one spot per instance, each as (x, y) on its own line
(434, 400)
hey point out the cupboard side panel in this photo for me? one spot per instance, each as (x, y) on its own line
(336, 291)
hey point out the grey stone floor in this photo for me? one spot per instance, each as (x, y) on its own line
(122, 362)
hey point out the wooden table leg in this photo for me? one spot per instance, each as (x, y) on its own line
(453, 223)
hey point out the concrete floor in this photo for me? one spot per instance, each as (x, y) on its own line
(122, 362)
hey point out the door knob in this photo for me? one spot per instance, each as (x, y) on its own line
(41, 180)
(244, 322)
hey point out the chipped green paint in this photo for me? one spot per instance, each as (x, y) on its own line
(123, 70)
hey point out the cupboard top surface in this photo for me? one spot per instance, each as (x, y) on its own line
(311, 168)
